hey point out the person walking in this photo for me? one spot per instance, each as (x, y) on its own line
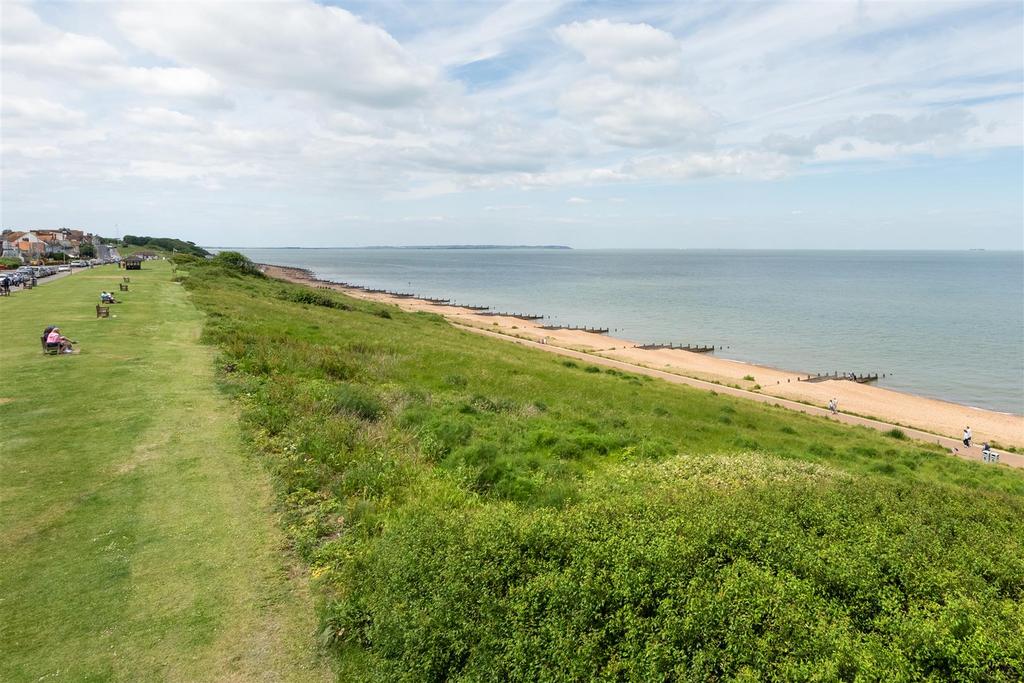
(967, 436)
(833, 405)
(5, 286)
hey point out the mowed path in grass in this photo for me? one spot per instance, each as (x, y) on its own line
(137, 542)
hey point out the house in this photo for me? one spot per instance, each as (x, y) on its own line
(8, 250)
(29, 245)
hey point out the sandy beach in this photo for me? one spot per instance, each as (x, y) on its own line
(930, 416)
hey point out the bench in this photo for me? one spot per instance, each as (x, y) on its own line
(51, 350)
(102, 311)
(126, 279)
(124, 287)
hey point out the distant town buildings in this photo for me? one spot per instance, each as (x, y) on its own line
(34, 245)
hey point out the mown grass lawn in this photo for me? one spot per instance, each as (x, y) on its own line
(137, 542)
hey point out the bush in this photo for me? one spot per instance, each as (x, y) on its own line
(313, 297)
(357, 400)
(896, 433)
(236, 262)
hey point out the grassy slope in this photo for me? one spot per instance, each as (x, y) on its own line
(137, 541)
(476, 510)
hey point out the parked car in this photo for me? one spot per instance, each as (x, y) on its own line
(63, 269)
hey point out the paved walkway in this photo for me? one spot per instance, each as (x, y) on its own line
(42, 281)
(952, 445)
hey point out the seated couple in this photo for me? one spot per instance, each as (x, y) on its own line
(107, 298)
(54, 341)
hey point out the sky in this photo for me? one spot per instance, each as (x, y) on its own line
(826, 125)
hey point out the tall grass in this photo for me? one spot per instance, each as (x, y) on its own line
(474, 510)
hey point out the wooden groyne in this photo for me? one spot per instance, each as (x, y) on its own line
(577, 328)
(520, 316)
(472, 308)
(848, 376)
(437, 301)
(677, 347)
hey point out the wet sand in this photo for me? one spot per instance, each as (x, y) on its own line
(871, 405)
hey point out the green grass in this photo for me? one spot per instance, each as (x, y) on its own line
(475, 510)
(137, 540)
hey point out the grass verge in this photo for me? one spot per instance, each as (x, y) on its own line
(138, 542)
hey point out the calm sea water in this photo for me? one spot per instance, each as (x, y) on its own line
(944, 324)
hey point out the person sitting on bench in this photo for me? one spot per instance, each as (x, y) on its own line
(107, 298)
(56, 340)
(46, 333)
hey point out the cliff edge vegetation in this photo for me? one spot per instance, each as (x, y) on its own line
(474, 510)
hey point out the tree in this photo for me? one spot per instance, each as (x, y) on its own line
(86, 250)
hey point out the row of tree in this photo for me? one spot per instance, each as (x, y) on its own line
(167, 244)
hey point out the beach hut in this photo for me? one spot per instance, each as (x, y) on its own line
(132, 263)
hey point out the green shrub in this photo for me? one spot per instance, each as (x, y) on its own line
(439, 436)
(896, 433)
(313, 297)
(236, 262)
(357, 400)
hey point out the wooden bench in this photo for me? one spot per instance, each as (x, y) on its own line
(124, 287)
(126, 279)
(102, 311)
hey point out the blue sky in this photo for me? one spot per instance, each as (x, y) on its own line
(684, 124)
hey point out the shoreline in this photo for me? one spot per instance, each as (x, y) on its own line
(932, 417)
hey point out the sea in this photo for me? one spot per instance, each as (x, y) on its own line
(948, 325)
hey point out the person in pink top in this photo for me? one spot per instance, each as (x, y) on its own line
(56, 340)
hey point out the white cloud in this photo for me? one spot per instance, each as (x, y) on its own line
(884, 130)
(577, 200)
(636, 52)
(638, 115)
(37, 112)
(160, 118)
(633, 97)
(746, 163)
(283, 46)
